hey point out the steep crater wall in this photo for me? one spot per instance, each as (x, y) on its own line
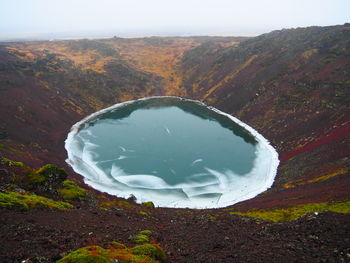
(291, 85)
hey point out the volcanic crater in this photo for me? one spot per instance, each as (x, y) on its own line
(292, 86)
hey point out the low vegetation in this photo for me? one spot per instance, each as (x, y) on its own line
(106, 205)
(143, 213)
(10, 149)
(141, 238)
(12, 200)
(292, 213)
(71, 191)
(46, 178)
(8, 162)
(117, 252)
(149, 205)
(153, 251)
(95, 254)
(292, 184)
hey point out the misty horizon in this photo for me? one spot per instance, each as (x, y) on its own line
(135, 33)
(132, 33)
(127, 34)
(46, 20)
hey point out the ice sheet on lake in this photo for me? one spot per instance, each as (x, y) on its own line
(167, 130)
(196, 161)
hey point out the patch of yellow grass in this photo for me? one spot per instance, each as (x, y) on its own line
(230, 76)
(292, 213)
(295, 183)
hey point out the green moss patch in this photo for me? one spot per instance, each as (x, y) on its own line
(10, 149)
(152, 250)
(117, 245)
(148, 205)
(91, 254)
(146, 232)
(141, 253)
(45, 178)
(8, 162)
(71, 191)
(113, 204)
(150, 253)
(34, 178)
(143, 213)
(292, 213)
(141, 238)
(50, 169)
(12, 200)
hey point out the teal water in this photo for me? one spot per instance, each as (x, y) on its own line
(173, 140)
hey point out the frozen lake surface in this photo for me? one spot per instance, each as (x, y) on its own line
(172, 151)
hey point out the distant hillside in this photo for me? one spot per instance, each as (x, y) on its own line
(291, 85)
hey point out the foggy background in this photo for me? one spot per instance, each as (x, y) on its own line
(44, 19)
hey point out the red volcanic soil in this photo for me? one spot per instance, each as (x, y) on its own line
(337, 133)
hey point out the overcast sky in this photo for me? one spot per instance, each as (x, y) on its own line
(166, 17)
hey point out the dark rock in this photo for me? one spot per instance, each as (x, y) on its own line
(47, 179)
(131, 198)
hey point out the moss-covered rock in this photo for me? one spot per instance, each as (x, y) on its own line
(95, 254)
(118, 252)
(46, 179)
(12, 200)
(91, 254)
(151, 250)
(117, 245)
(8, 162)
(34, 179)
(141, 238)
(43, 181)
(148, 205)
(50, 169)
(146, 232)
(71, 191)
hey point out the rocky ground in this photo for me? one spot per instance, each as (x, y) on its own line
(186, 235)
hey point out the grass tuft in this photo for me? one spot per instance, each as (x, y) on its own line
(146, 232)
(12, 200)
(8, 162)
(71, 191)
(141, 238)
